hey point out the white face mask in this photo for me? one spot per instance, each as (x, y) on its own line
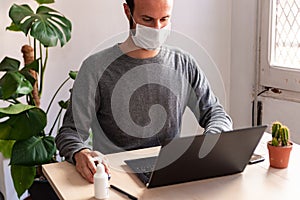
(150, 38)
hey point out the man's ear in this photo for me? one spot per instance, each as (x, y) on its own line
(127, 11)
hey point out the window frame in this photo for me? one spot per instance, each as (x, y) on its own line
(286, 79)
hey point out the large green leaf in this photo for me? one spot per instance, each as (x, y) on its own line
(15, 109)
(33, 151)
(9, 64)
(19, 12)
(6, 147)
(13, 83)
(28, 76)
(46, 25)
(23, 125)
(23, 178)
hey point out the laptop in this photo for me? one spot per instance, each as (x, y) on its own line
(198, 157)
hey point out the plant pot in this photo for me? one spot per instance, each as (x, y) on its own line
(41, 189)
(279, 156)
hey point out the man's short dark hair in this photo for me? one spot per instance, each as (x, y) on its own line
(130, 4)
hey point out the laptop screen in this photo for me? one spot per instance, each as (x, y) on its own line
(200, 157)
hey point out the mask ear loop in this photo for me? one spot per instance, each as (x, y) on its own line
(132, 18)
(131, 24)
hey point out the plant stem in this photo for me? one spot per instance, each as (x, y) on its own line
(58, 123)
(30, 100)
(57, 117)
(34, 48)
(44, 65)
(29, 40)
(41, 69)
(55, 94)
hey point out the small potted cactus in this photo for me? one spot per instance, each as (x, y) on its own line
(280, 146)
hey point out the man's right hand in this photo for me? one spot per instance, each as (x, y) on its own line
(85, 164)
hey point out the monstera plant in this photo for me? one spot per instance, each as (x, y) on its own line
(23, 138)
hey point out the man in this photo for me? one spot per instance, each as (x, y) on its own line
(133, 94)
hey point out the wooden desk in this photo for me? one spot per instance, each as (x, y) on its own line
(258, 181)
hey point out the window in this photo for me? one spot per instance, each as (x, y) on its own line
(285, 49)
(280, 44)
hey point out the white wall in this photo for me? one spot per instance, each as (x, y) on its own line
(209, 24)
(284, 111)
(243, 45)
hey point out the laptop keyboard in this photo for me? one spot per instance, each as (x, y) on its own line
(146, 170)
(143, 167)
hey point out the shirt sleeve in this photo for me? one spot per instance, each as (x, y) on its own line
(204, 104)
(79, 115)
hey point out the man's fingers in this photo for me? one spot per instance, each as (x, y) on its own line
(86, 173)
(107, 170)
(91, 165)
(86, 161)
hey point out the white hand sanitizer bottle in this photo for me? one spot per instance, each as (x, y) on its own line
(101, 186)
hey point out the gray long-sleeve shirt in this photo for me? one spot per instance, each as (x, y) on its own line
(133, 103)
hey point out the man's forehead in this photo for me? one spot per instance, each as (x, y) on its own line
(153, 3)
(153, 7)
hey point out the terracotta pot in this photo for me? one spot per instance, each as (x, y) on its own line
(279, 156)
